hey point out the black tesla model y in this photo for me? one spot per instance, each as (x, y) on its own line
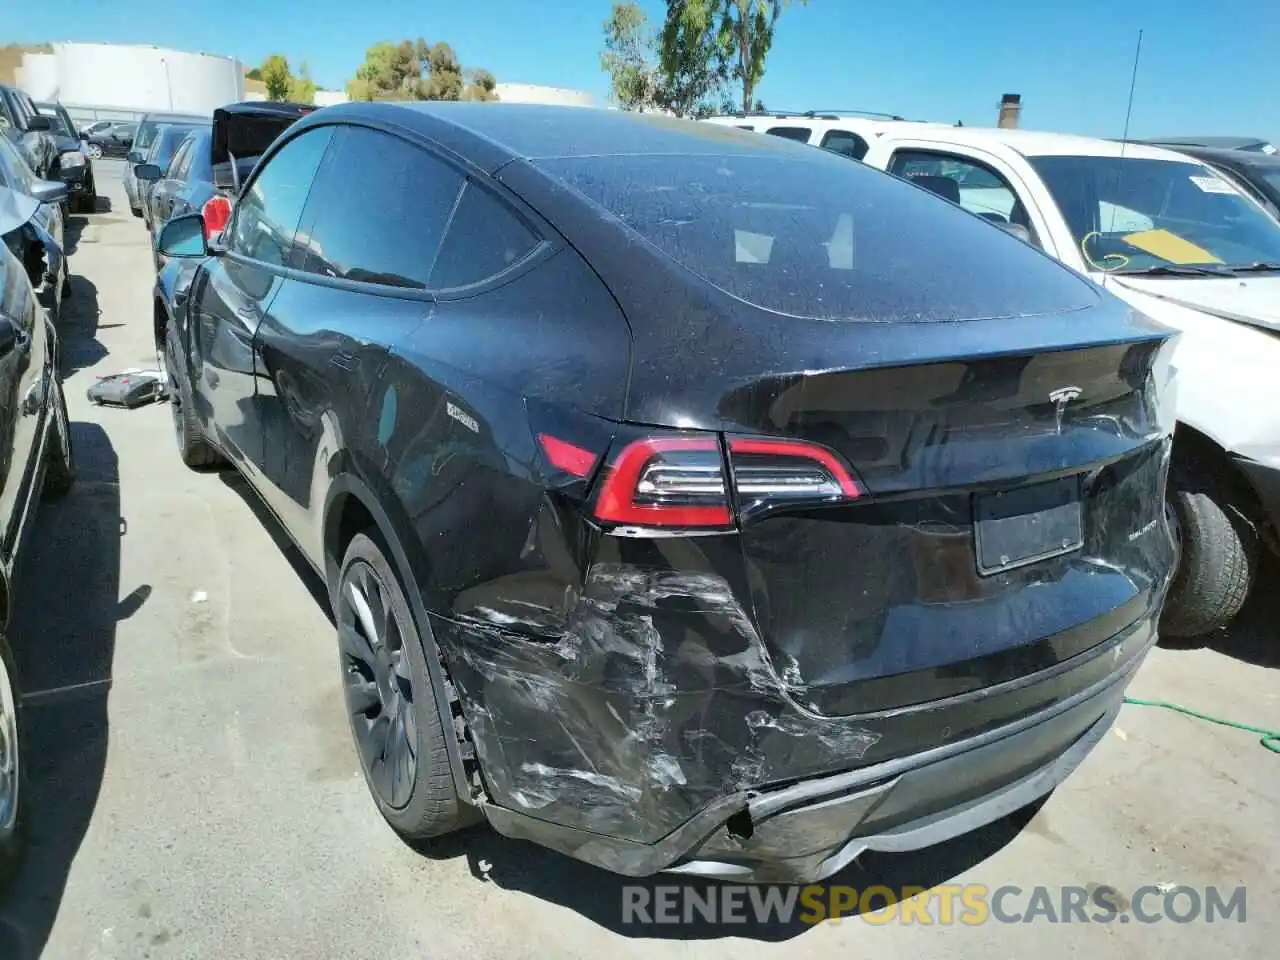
(689, 499)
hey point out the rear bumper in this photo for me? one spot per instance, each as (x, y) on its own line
(808, 830)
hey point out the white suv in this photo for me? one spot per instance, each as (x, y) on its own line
(848, 134)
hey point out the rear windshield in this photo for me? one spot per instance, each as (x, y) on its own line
(819, 237)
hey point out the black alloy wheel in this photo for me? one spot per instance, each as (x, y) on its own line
(376, 675)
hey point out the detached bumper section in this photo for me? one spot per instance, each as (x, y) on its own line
(657, 736)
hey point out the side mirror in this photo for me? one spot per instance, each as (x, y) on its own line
(148, 171)
(183, 237)
(39, 123)
(49, 191)
(1015, 229)
(84, 135)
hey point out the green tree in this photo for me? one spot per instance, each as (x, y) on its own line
(302, 89)
(418, 70)
(694, 52)
(254, 74)
(276, 75)
(628, 58)
(748, 26)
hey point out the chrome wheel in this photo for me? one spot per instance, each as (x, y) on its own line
(379, 694)
(9, 754)
(94, 151)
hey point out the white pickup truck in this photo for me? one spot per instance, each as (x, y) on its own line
(1184, 246)
(1178, 242)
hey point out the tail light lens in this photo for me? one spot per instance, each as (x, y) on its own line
(217, 214)
(770, 472)
(666, 481)
(680, 480)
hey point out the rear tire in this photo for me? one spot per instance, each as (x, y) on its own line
(136, 211)
(59, 468)
(391, 705)
(1217, 556)
(193, 447)
(11, 768)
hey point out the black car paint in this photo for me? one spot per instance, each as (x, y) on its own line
(78, 177)
(38, 147)
(629, 699)
(116, 140)
(29, 392)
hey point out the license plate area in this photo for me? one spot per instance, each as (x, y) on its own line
(1012, 528)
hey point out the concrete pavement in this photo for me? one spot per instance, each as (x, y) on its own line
(196, 794)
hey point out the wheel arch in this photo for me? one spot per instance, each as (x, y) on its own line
(352, 506)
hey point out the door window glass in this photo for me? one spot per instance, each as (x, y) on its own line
(845, 143)
(485, 238)
(378, 210)
(181, 161)
(972, 185)
(800, 134)
(266, 216)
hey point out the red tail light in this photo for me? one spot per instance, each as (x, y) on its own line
(768, 469)
(217, 214)
(670, 481)
(679, 480)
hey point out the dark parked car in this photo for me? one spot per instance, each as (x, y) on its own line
(212, 162)
(161, 155)
(1256, 174)
(35, 453)
(92, 128)
(148, 128)
(75, 168)
(664, 524)
(114, 141)
(36, 237)
(28, 131)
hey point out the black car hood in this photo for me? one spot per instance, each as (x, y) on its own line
(248, 129)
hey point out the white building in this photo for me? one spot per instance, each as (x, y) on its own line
(126, 77)
(534, 93)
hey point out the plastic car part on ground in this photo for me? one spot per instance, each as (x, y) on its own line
(129, 388)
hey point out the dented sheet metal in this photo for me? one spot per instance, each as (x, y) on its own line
(625, 726)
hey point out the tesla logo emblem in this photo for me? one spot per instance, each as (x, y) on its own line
(1060, 398)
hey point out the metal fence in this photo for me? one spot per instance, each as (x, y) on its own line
(83, 114)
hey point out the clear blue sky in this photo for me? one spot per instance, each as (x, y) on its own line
(1208, 66)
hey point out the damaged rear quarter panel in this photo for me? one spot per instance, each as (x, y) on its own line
(626, 707)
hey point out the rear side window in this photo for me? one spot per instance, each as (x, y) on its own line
(378, 210)
(485, 238)
(181, 162)
(266, 216)
(812, 235)
(800, 134)
(844, 143)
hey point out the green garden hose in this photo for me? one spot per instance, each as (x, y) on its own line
(1270, 738)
